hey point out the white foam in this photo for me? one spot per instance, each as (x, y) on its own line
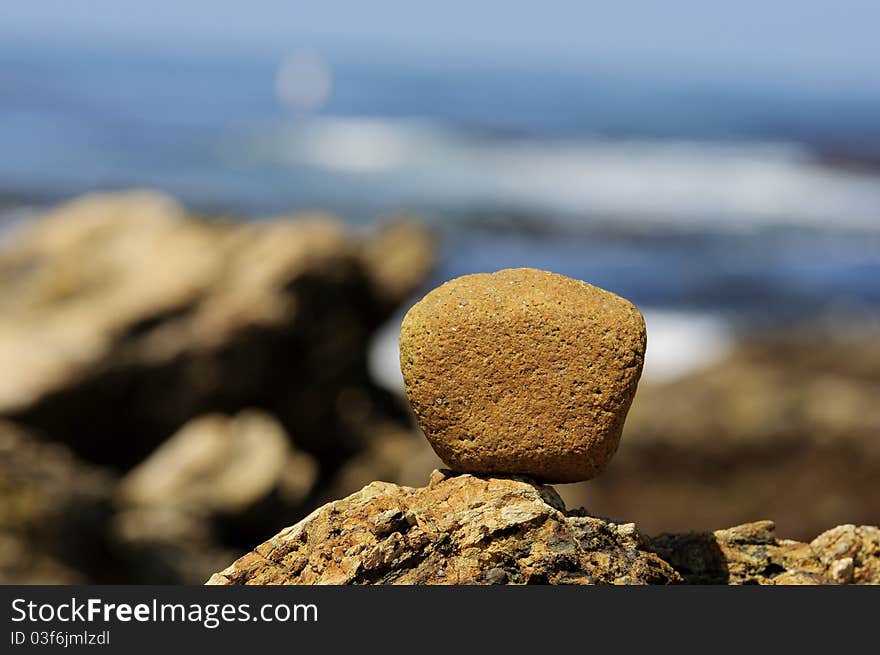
(727, 185)
(682, 342)
(383, 356)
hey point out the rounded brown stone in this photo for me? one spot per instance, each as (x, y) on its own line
(522, 372)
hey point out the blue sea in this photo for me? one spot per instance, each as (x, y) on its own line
(753, 201)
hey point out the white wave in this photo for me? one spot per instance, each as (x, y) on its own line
(728, 185)
(682, 342)
(383, 356)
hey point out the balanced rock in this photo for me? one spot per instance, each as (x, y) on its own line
(522, 372)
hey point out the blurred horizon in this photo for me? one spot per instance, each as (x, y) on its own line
(692, 157)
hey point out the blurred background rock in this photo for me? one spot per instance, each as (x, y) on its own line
(184, 371)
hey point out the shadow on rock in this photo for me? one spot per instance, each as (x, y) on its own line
(696, 556)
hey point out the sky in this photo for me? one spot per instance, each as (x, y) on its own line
(820, 41)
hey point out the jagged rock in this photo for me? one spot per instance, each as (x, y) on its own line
(123, 317)
(522, 372)
(752, 554)
(242, 470)
(786, 426)
(850, 553)
(457, 530)
(471, 530)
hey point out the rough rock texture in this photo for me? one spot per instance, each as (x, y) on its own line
(470, 530)
(458, 530)
(522, 372)
(752, 554)
(786, 426)
(123, 317)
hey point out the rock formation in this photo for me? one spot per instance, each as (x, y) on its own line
(178, 386)
(462, 529)
(181, 387)
(527, 372)
(124, 317)
(457, 530)
(522, 372)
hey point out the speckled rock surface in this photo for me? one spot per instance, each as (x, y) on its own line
(462, 529)
(752, 554)
(522, 372)
(457, 530)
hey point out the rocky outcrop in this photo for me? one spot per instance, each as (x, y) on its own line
(462, 529)
(177, 387)
(457, 530)
(124, 317)
(752, 554)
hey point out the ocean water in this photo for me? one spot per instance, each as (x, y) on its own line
(711, 201)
